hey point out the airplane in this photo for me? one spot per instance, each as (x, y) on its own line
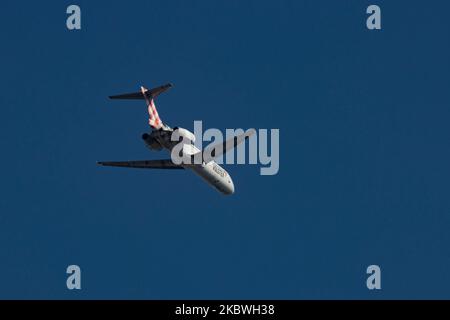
(160, 137)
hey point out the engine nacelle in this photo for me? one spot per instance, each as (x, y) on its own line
(184, 134)
(151, 142)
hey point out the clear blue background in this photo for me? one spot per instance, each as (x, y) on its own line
(364, 162)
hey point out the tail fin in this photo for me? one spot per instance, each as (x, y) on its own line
(154, 120)
(149, 95)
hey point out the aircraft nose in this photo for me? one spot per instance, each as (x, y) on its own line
(230, 185)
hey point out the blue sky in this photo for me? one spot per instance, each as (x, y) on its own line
(364, 175)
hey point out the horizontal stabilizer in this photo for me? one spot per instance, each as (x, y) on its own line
(145, 164)
(152, 93)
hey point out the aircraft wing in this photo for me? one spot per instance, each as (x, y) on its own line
(218, 149)
(145, 164)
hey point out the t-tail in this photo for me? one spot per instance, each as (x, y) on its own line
(149, 95)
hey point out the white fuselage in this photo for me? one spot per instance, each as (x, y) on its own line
(211, 172)
(215, 175)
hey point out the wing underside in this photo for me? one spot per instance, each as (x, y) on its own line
(219, 149)
(144, 164)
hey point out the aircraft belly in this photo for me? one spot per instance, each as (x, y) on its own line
(216, 176)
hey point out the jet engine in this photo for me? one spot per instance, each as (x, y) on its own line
(184, 134)
(151, 142)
